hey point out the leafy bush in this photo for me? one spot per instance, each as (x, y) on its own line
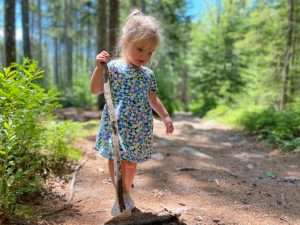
(80, 95)
(28, 150)
(57, 138)
(278, 127)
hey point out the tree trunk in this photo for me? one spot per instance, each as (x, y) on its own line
(101, 25)
(143, 6)
(288, 56)
(25, 27)
(56, 69)
(10, 31)
(133, 4)
(88, 41)
(294, 77)
(113, 25)
(184, 88)
(68, 43)
(102, 36)
(40, 55)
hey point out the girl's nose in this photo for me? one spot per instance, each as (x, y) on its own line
(145, 57)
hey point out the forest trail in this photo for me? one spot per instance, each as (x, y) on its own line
(206, 171)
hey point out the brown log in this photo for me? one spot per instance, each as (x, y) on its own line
(146, 218)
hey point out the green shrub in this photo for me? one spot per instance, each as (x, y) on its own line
(29, 148)
(22, 104)
(278, 127)
(57, 138)
(79, 95)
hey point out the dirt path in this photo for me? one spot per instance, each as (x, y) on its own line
(205, 171)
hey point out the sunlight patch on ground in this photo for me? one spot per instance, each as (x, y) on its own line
(194, 152)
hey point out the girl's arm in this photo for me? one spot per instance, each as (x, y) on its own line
(97, 80)
(160, 109)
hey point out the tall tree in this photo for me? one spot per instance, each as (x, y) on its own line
(134, 4)
(25, 27)
(89, 25)
(217, 75)
(113, 24)
(143, 6)
(68, 43)
(295, 70)
(40, 19)
(287, 55)
(55, 32)
(10, 31)
(102, 42)
(101, 25)
(172, 61)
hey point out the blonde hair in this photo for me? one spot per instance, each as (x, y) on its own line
(139, 27)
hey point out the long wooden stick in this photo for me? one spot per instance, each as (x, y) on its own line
(115, 139)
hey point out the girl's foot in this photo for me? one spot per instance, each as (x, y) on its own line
(129, 204)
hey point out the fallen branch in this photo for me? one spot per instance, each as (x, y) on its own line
(72, 184)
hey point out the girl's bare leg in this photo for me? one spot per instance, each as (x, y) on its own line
(128, 173)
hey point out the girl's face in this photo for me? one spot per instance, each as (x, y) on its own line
(139, 53)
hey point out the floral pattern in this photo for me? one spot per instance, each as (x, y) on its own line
(130, 87)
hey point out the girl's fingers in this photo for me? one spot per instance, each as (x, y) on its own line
(104, 53)
(169, 128)
(102, 59)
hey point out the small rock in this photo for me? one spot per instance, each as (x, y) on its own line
(250, 166)
(291, 179)
(216, 220)
(254, 185)
(246, 156)
(279, 202)
(244, 201)
(107, 180)
(199, 218)
(163, 143)
(158, 156)
(157, 193)
(101, 170)
(186, 169)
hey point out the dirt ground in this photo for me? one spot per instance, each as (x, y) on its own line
(206, 171)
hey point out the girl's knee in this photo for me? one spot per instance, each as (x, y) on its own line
(130, 165)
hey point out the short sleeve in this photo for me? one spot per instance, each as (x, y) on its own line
(153, 83)
(111, 65)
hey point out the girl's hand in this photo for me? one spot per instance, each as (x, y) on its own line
(102, 57)
(168, 124)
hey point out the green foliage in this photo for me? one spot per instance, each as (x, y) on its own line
(79, 95)
(171, 63)
(166, 80)
(217, 64)
(23, 103)
(25, 146)
(278, 127)
(57, 137)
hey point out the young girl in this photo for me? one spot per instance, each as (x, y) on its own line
(134, 93)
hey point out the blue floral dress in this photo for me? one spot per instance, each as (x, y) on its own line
(130, 87)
